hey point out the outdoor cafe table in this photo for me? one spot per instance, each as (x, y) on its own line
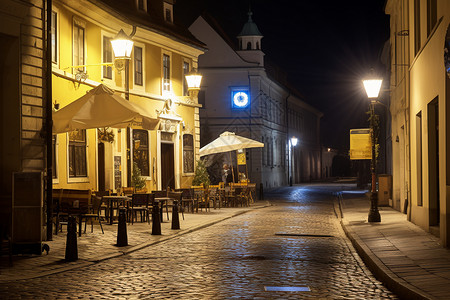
(114, 202)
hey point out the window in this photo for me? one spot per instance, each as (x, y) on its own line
(78, 45)
(419, 158)
(188, 153)
(77, 154)
(138, 74)
(140, 151)
(166, 73)
(54, 167)
(431, 15)
(417, 42)
(107, 57)
(54, 38)
(185, 72)
(168, 14)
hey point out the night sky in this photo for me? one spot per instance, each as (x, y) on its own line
(326, 47)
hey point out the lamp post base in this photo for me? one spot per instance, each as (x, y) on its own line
(374, 214)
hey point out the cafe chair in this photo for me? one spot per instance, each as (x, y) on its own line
(162, 194)
(140, 203)
(103, 206)
(187, 199)
(94, 214)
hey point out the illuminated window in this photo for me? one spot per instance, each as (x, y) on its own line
(141, 151)
(54, 161)
(78, 44)
(138, 73)
(107, 57)
(185, 72)
(166, 72)
(77, 153)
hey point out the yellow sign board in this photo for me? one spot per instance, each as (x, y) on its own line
(241, 158)
(360, 144)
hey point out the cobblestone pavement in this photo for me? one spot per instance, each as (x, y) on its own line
(297, 242)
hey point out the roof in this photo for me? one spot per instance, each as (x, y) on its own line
(152, 20)
(250, 28)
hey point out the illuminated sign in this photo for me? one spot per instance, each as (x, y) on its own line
(360, 144)
(240, 99)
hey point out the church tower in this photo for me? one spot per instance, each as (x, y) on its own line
(250, 42)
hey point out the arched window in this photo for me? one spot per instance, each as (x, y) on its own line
(257, 45)
(249, 46)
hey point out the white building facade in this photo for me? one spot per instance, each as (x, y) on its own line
(240, 93)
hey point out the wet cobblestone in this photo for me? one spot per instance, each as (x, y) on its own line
(234, 259)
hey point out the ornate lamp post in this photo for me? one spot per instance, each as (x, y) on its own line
(193, 80)
(372, 87)
(123, 46)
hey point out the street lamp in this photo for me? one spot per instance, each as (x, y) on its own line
(293, 143)
(372, 87)
(193, 80)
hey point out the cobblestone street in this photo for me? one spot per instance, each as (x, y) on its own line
(297, 242)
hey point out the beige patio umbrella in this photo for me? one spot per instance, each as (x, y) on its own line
(101, 107)
(227, 142)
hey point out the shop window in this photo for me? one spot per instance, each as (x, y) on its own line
(77, 154)
(141, 151)
(54, 34)
(188, 153)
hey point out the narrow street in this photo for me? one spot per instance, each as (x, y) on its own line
(296, 242)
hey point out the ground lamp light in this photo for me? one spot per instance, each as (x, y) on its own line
(294, 142)
(372, 87)
(193, 80)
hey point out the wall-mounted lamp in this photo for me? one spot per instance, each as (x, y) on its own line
(294, 141)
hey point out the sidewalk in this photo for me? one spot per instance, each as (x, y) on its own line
(95, 247)
(408, 260)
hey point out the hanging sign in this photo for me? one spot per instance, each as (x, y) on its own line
(360, 145)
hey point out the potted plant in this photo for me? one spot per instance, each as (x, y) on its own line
(201, 176)
(137, 181)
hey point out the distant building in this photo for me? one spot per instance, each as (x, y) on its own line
(420, 97)
(244, 94)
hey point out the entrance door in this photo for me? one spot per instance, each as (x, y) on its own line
(101, 167)
(433, 161)
(167, 166)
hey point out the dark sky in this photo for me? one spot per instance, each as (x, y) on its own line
(326, 47)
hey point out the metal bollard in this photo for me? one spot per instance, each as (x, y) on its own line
(156, 221)
(122, 237)
(175, 216)
(71, 244)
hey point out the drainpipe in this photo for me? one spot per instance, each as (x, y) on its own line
(48, 119)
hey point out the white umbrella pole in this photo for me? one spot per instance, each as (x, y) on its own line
(232, 170)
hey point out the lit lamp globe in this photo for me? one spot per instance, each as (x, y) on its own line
(193, 80)
(122, 46)
(372, 87)
(294, 141)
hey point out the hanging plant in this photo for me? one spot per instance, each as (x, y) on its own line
(105, 135)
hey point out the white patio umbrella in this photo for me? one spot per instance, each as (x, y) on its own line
(228, 141)
(101, 107)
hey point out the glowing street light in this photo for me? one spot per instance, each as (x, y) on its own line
(193, 80)
(372, 87)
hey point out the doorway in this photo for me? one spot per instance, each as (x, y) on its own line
(433, 161)
(167, 166)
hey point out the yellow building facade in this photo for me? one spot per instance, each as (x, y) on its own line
(419, 87)
(103, 159)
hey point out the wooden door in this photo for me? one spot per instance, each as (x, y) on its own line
(167, 166)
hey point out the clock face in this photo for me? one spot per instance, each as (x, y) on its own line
(240, 99)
